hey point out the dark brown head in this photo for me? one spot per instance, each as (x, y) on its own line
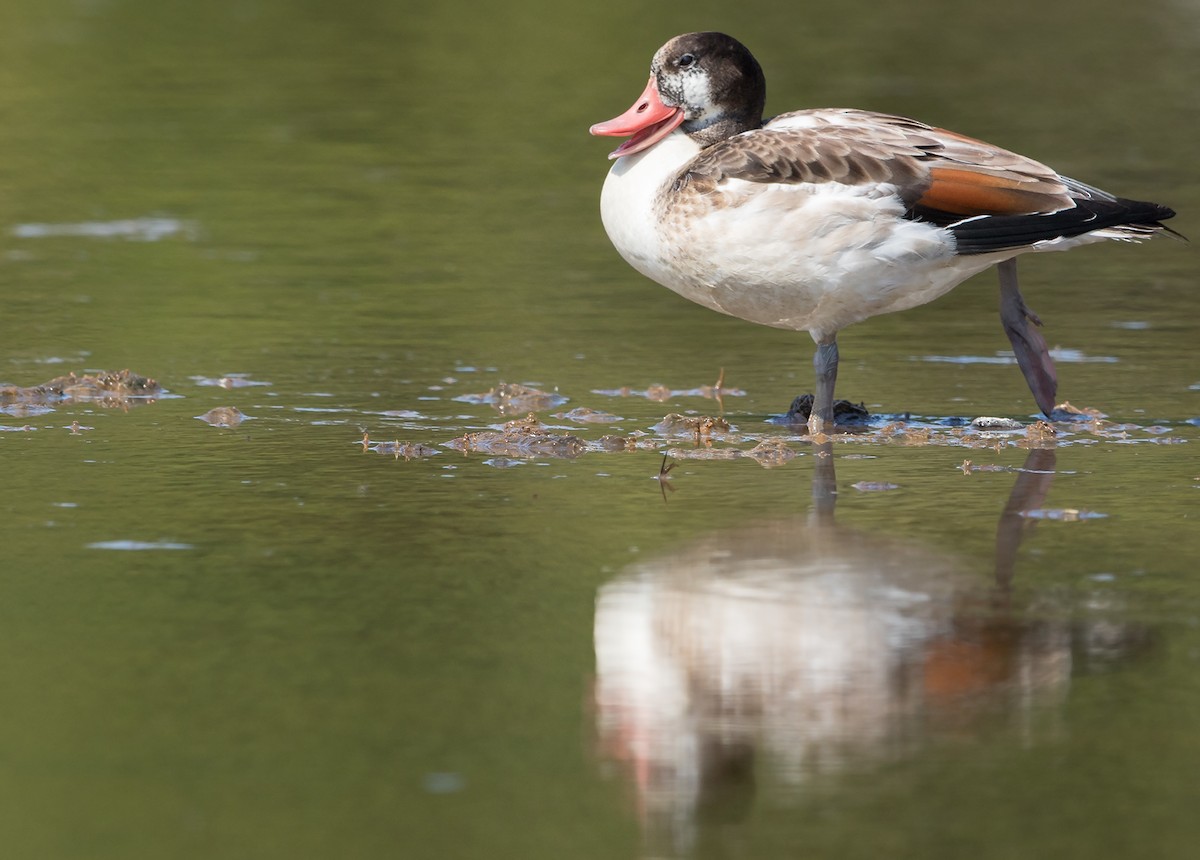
(716, 81)
(706, 84)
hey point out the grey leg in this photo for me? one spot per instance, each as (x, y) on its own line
(1033, 356)
(825, 363)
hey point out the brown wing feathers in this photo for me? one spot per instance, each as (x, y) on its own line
(965, 193)
(994, 200)
(989, 198)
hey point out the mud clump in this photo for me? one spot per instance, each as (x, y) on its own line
(1039, 434)
(525, 437)
(702, 427)
(771, 452)
(584, 415)
(660, 393)
(768, 453)
(397, 449)
(614, 442)
(513, 398)
(223, 416)
(111, 389)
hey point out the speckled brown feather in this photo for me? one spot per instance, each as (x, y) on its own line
(929, 168)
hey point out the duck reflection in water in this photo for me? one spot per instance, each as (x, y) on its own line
(785, 652)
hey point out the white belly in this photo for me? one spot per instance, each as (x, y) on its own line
(806, 257)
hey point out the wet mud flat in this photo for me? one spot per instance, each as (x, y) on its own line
(107, 388)
(121, 389)
(547, 430)
(513, 423)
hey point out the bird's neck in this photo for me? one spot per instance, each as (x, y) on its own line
(709, 130)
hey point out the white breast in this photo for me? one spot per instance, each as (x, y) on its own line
(803, 256)
(627, 202)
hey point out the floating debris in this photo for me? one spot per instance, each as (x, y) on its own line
(662, 393)
(700, 427)
(633, 442)
(904, 434)
(407, 450)
(715, 391)
(715, 438)
(768, 453)
(705, 453)
(968, 467)
(1039, 432)
(512, 398)
(1066, 412)
(122, 388)
(503, 462)
(657, 393)
(233, 380)
(771, 453)
(584, 415)
(223, 416)
(525, 437)
(1169, 440)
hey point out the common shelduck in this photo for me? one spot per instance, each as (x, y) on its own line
(818, 219)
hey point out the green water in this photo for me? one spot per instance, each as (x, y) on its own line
(266, 641)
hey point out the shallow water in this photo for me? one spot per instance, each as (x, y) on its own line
(320, 626)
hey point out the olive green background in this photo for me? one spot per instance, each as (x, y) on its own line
(383, 206)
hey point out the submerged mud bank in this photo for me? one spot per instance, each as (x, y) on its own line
(109, 389)
(768, 440)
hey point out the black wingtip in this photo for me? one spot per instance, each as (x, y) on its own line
(987, 234)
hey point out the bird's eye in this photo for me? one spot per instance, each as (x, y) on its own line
(687, 60)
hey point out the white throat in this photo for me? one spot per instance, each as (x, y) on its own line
(627, 203)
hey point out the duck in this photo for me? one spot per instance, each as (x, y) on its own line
(818, 219)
